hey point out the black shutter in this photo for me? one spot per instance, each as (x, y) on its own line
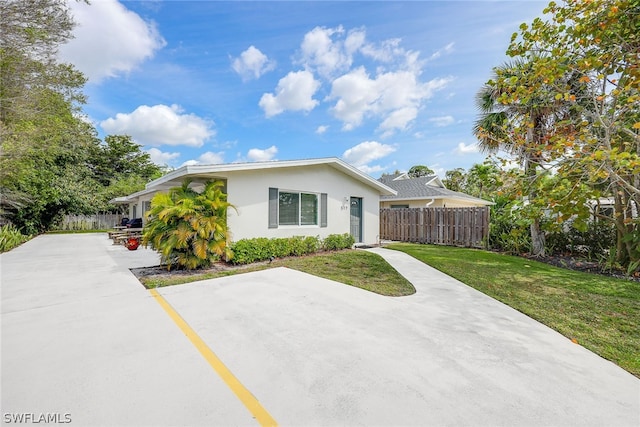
(273, 208)
(323, 210)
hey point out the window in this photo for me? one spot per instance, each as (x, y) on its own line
(296, 208)
(288, 208)
(399, 206)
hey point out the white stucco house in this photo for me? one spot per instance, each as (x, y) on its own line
(312, 197)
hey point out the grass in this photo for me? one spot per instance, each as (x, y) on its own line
(601, 313)
(357, 268)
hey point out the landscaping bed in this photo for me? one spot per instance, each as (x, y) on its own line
(584, 265)
(353, 267)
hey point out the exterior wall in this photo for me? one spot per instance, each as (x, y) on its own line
(249, 192)
(438, 203)
(140, 207)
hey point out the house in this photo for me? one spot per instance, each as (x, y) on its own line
(425, 191)
(313, 197)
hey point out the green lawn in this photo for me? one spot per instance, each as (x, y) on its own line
(601, 313)
(357, 268)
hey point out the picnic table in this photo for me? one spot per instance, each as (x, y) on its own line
(121, 235)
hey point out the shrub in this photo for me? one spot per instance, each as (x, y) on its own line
(335, 242)
(189, 229)
(247, 251)
(10, 237)
(592, 243)
(509, 229)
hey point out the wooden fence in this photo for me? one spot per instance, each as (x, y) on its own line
(89, 222)
(467, 227)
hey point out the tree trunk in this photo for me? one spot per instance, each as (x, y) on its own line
(622, 256)
(531, 171)
(537, 239)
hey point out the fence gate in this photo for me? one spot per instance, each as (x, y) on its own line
(467, 227)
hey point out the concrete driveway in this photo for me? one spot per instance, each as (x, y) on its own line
(81, 337)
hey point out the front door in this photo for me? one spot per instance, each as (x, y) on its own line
(356, 219)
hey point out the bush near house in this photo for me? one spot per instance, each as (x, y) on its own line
(247, 251)
(334, 242)
(188, 228)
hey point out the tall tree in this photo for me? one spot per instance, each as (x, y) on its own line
(120, 156)
(518, 126)
(455, 179)
(45, 145)
(121, 167)
(483, 179)
(420, 170)
(585, 57)
(32, 31)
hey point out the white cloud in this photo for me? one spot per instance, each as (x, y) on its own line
(366, 152)
(161, 125)
(398, 119)
(207, 158)
(294, 92)
(258, 155)
(395, 97)
(210, 158)
(386, 51)
(160, 157)
(321, 129)
(324, 52)
(445, 50)
(109, 39)
(252, 63)
(442, 121)
(463, 148)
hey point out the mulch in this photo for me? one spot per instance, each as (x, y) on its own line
(580, 264)
(161, 270)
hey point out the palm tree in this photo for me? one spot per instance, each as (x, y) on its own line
(502, 119)
(481, 177)
(188, 228)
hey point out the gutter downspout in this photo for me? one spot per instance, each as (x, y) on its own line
(430, 203)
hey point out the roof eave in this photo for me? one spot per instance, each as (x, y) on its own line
(476, 200)
(334, 162)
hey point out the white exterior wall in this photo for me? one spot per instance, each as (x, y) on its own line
(139, 204)
(249, 192)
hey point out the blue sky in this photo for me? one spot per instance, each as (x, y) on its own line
(382, 85)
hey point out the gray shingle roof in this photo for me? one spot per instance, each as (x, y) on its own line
(418, 188)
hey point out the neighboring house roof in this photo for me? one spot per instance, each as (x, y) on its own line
(425, 187)
(175, 177)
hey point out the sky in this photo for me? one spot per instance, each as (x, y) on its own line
(382, 85)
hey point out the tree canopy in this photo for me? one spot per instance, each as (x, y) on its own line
(568, 107)
(52, 161)
(420, 170)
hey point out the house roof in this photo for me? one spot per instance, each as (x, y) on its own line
(425, 187)
(175, 177)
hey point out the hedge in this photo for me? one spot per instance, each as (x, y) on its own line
(247, 251)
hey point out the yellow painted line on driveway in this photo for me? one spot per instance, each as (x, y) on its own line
(245, 396)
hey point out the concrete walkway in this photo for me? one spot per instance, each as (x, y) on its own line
(81, 336)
